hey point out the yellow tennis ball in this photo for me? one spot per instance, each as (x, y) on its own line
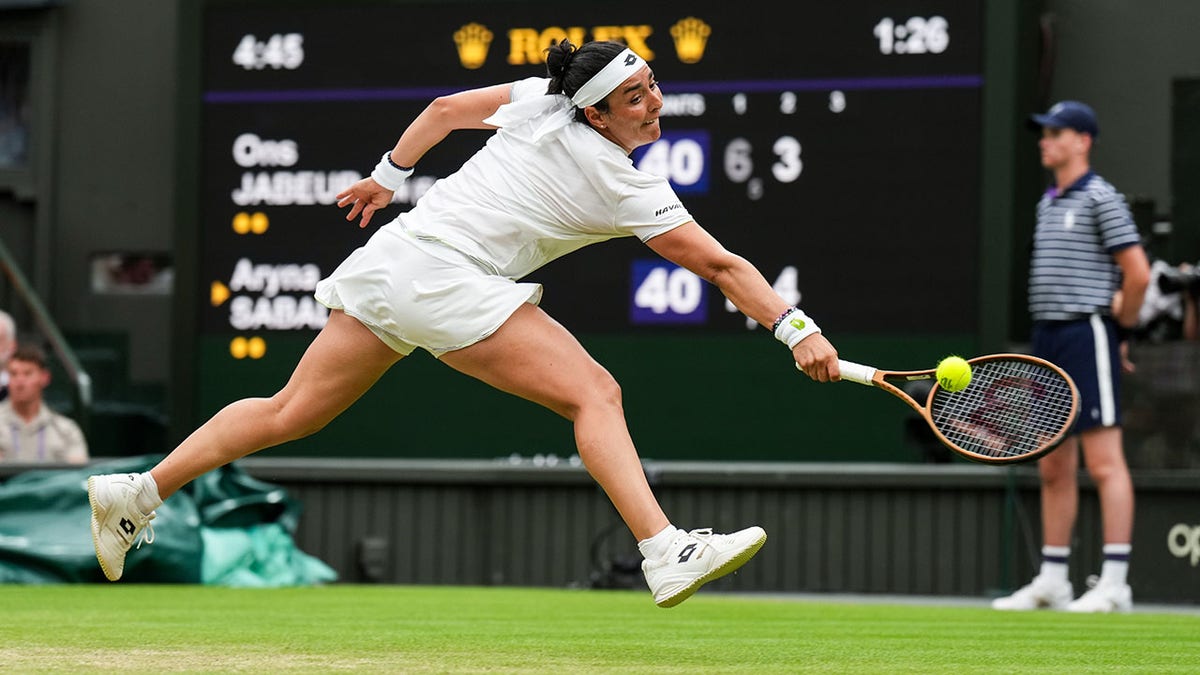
(953, 373)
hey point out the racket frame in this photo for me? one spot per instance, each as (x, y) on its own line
(883, 379)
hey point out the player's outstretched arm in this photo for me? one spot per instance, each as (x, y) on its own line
(462, 110)
(693, 248)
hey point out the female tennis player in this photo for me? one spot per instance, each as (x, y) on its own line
(443, 277)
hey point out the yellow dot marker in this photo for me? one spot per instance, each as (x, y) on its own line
(238, 348)
(241, 222)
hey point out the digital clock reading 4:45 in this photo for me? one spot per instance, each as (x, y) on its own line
(278, 51)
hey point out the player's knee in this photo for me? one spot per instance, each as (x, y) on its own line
(601, 392)
(1057, 474)
(1103, 472)
(291, 422)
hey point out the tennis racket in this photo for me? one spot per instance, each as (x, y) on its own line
(1016, 408)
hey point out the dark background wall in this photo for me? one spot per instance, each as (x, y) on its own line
(107, 153)
(1123, 57)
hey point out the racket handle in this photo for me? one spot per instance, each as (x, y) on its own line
(854, 372)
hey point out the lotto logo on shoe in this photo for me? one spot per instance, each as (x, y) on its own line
(686, 554)
(127, 526)
(1183, 541)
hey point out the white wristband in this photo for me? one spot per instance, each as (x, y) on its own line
(796, 326)
(388, 175)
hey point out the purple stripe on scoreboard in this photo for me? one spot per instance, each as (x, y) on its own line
(716, 87)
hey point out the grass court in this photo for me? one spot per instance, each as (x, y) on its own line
(411, 629)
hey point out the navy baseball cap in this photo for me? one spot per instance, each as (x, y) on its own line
(1068, 115)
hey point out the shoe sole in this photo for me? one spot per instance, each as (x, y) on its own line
(91, 483)
(714, 574)
(1115, 609)
(1061, 607)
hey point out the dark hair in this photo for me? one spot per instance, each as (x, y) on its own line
(30, 353)
(570, 67)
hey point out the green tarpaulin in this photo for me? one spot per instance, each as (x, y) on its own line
(225, 528)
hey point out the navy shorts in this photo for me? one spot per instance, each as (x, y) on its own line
(1090, 353)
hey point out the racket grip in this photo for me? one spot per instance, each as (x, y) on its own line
(856, 372)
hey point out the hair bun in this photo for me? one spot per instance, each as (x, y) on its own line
(559, 57)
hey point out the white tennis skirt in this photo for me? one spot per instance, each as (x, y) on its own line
(418, 294)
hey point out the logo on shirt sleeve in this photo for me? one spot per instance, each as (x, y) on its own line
(667, 209)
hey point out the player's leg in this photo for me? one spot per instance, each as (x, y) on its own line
(1099, 382)
(1105, 460)
(1051, 587)
(534, 357)
(1060, 492)
(339, 366)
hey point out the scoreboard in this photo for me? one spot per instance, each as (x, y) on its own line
(836, 147)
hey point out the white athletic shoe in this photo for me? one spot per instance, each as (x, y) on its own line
(696, 558)
(1041, 593)
(1103, 597)
(116, 520)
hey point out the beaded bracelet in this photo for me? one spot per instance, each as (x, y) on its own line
(796, 326)
(388, 156)
(786, 312)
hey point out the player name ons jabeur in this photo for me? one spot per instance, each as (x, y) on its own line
(283, 187)
(287, 188)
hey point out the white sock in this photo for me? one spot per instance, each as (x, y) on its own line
(1116, 564)
(147, 498)
(656, 547)
(1054, 562)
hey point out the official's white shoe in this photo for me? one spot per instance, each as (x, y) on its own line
(1103, 597)
(116, 520)
(1041, 593)
(696, 558)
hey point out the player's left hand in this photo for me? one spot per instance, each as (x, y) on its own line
(817, 358)
(364, 197)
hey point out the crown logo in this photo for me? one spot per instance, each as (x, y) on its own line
(691, 36)
(473, 41)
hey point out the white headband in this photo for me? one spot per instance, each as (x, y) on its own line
(610, 77)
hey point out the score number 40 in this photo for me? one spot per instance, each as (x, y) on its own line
(664, 293)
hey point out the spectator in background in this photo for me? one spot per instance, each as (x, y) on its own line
(8, 342)
(1088, 275)
(30, 432)
(1169, 309)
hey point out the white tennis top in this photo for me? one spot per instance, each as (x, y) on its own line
(525, 199)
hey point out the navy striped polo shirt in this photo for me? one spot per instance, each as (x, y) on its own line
(1072, 273)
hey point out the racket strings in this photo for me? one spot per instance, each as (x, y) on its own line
(1012, 408)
